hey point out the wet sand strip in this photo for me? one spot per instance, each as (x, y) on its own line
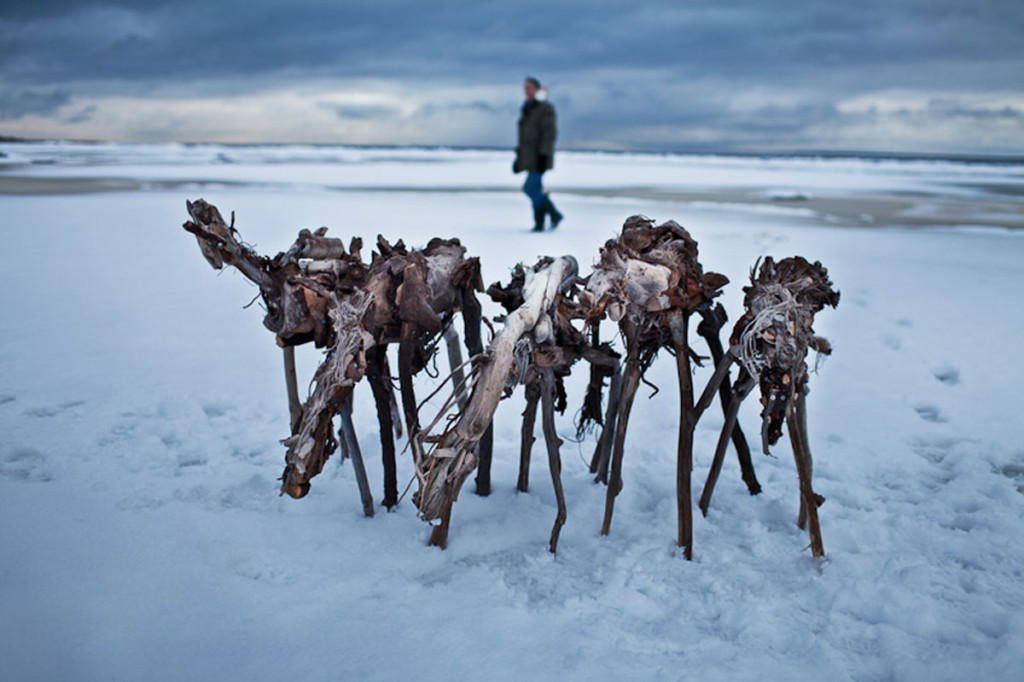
(1000, 208)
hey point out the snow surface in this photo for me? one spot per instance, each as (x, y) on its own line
(141, 407)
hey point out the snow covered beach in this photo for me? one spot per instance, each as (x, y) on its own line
(141, 408)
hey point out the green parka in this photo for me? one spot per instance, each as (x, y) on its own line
(537, 131)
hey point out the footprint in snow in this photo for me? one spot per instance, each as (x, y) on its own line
(26, 464)
(214, 410)
(1014, 472)
(930, 413)
(891, 342)
(41, 412)
(47, 412)
(947, 375)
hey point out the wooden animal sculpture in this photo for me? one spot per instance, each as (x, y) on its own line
(770, 342)
(543, 360)
(650, 281)
(317, 291)
(445, 459)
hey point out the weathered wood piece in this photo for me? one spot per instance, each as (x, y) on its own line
(771, 341)
(445, 460)
(712, 321)
(402, 296)
(649, 280)
(347, 435)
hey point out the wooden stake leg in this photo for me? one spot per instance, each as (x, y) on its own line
(687, 420)
(800, 412)
(292, 387)
(396, 414)
(602, 454)
(439, 536)
(451, 340)
(630, 382)
(802, 454)
(718, 379)
(484, 448)
(471, 317)
(380, 383)
(347, 435)
(553, 443)
(533, 392)
(739, 392)
(406, 348)
(709, 329)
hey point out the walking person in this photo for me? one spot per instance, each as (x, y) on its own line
(535, 151)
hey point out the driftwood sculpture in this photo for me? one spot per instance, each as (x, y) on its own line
(444, 460)
(543, 360)
(649, 281)
(770, 342)
(319, 291)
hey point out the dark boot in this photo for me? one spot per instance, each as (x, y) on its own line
(538, 218)
(550, 209)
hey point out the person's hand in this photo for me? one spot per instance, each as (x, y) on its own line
(543, 162)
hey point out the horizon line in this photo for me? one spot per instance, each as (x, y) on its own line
(967, 157)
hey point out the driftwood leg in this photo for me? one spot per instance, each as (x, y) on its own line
(718, 379)
(471, 316)
(630, 382)
(484, 448)
(708, 328)
(380, 383)
(396, 414)
(800, 413)
(802, 455)
(451, 340)
(533, 393)
(439, 536)
(602, 454)
(687, 419)
(406, 349)
(553, 443)
(348, 437)
(292, 386)
(745, 383)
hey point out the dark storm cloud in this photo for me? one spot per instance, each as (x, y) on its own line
(953, 109)
(360, 112)
(622, 54)
(15, 104)
(129, 41)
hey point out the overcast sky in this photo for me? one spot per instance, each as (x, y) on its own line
(931, 76)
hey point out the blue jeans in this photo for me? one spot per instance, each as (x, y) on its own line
(534, 189)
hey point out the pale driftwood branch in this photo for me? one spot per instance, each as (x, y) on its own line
(444, 461)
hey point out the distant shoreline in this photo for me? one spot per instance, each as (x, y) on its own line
(837, 209)
(955, 157)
